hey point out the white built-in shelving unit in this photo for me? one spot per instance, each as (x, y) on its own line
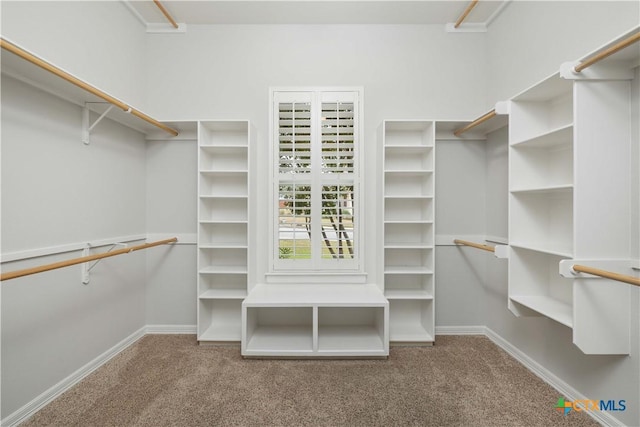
(408, 186)
(570, 180)
(315, 320)
(224, 252)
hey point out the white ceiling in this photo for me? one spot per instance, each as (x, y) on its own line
(316, 11)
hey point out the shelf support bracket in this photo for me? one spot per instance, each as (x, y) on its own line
(87, 127)
(86, 268)
(501, 251)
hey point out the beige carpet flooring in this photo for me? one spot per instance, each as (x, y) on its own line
(168, 380)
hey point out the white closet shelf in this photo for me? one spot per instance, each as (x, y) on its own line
(557, 137)
(296, 295)
(408, 196)
(411, 245)
(409, 172)
(280, 340)
(31, 74)
(222, 221)
(224, 172)
(547, 306)
(545, 247)
(223, 148)
(401, 332)
(414, 221)
(214, 147)
(550, 88)
(224, 294)
(407, 294)
(359, 338)
(226, 269)
(221, 331)
(409, 148)
(562, 188)
(224, 196)
(407, 270)
(228, 245)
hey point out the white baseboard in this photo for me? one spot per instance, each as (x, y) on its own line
(547, 376)
(460, 330)
(171, 329)
(52, 393)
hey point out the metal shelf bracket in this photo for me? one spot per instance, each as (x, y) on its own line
(86, 268)
(87, 127)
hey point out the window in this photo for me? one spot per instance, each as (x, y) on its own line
(316, 188)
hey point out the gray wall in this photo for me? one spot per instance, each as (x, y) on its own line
(225, 71)
(56, 191)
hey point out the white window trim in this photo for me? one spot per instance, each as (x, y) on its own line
(355, 272)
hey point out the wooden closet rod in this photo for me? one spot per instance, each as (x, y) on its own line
(81, 84)
(607, 274)
(166, 13)
(609, 51)
(74, 261)
(475, 123)
(475, 245)
(465, 13)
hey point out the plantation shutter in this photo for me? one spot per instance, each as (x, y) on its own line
(316, 186)
(337, 178)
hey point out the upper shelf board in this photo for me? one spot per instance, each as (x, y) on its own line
(25, 71)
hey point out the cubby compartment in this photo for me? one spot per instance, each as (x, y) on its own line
(223, 209)
(351, 329)
(409, 158)
(408, 183)
(408, 133)
(411, 321)
(220, 234)
(408, 209)
(222, 285)
(408, 286)
(543, 221)
(534, 283)
(225, 184)
(221, 258)
(224, 133)
(219, 319)
(408, 259)
(540, 166)
(225, 158)
(279, 330)
(541, 111)
(408, 234)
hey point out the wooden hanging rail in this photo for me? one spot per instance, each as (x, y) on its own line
(607, 274)
(166, 13)
(465, 13)
(475, 245)
(475, 123)
(81, 84)
(609, 51)
(74, 261)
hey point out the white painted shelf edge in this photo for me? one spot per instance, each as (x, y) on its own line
(547, 306)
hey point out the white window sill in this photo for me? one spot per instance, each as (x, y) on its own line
(316, 277)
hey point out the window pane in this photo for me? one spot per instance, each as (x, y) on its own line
(294, 124)
(337, 222)
(294, 221)
(337, 137)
